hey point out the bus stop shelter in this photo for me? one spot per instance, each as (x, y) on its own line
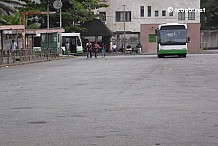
(96, 28)
(46, 39)
(50, 43)
(10, 30)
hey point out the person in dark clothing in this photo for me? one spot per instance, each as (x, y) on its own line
(67, 48)
(89, 50)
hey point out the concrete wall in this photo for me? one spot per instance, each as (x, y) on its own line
(209, 39)
(151, 47)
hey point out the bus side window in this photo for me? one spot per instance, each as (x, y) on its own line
(63, 42)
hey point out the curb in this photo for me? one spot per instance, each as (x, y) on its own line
(36, 61)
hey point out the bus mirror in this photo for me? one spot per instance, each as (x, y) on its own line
(188, 39)
(156, 32)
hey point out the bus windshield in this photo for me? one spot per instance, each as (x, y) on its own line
(173, 37)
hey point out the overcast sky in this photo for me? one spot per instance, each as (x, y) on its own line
(36, 0)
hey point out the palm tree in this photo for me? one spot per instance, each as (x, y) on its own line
(10, 19)
(8, 7)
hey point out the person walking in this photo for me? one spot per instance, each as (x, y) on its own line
(67, 48)
(96, 47)
(103, 50)
(13, 48)
(89, 50)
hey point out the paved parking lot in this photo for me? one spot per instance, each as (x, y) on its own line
(133, 100)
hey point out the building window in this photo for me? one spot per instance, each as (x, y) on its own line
(142, 11)
(120, 16)
(171, 14)
(191, 15)
(181, 15)
(163, 13)
(102, 16)
(149, 11)
(156, 13)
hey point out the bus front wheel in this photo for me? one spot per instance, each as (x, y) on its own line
(160, 56)
(182, 55)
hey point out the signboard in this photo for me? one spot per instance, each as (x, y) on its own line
(57, 4)
(152, 38)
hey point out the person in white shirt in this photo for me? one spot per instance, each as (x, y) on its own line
(114, 47)
(13, 46)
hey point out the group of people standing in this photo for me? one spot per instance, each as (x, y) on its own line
(95, 47)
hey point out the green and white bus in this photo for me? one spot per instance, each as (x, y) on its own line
(172, 39)
(75, 42)
(73, 39)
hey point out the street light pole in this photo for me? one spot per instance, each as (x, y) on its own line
(57, 4)
(48, 14)
(60, 18)
(124, 27)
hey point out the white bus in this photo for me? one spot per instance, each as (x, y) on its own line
(73, 38)
(172, 40)
(75, 42)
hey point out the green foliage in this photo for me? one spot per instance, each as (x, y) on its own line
(33, 26)
(74, 13)
(209, 19)
(10, 19)
(7, 8)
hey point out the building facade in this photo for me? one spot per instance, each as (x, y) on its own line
(143, 16)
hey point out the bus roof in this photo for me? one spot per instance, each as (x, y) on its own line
(173, 24)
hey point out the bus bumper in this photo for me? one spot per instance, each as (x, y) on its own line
(79, 51)
(172, 52)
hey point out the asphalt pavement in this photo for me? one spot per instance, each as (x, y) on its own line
(132, 100)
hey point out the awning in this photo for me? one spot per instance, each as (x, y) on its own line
(39, 31)
(96, 28)
(14, 27)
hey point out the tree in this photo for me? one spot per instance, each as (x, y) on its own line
(74, 13)
(9, 14)
(8, 7)
(209, 19)
(10, 20)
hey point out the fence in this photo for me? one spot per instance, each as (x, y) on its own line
(209, 39)
(26, 55)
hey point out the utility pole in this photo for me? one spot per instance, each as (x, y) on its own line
(60, 17)
(124, 27)
(57, 4)
(48, 14)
